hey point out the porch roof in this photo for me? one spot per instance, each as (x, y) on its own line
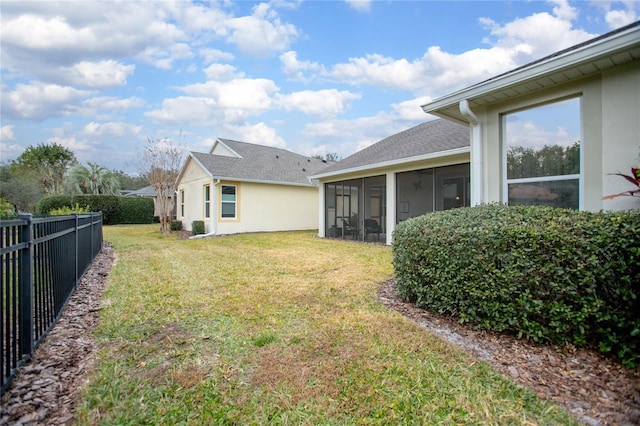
(432, 139)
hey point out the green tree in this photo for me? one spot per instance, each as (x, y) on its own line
(21, 190)
(48, 163)
(551, 160)
(130, 182)
(94, 179)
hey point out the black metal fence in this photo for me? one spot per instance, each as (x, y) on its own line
(42, 261)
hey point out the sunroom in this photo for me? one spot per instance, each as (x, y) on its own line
(417, 171)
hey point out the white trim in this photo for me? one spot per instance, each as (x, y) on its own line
(544, 179)
(573, 58)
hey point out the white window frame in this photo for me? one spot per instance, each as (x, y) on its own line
(503, 147)
(206, 195)
(182, 203)
(234, 202)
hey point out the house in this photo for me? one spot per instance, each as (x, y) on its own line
(416, 171)
(549, 132)
(552, 131)
(242, 187)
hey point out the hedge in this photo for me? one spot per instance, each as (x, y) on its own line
(549, 275)
(115, 209)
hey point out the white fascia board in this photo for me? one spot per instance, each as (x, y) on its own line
(572, 58)
(392, 163)
(266, 182)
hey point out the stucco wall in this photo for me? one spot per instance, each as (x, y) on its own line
(266, 207)
(192, 182)
(610, 114)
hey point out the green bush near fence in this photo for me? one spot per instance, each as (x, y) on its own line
(115, 209)
(548, 275)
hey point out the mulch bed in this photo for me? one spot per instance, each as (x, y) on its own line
(592, 387)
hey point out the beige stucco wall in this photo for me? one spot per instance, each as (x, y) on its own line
(610, 134)
(192, 183)
(267, 207)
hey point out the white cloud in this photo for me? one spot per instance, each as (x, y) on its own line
(359, 5)
(213, 55)
(260, 134)
(246, 96)
(539, 34)
(99, 104)
(619, 18)
(221, 72)
(185, 110)
(104, 73)
(262, 32)
(410, 110)
(9, 151)
(6, 133)
(111, 129)
(38, 101)
(296, 69)
(324, 103)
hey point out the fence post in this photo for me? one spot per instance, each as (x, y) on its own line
(77, 252)
(25, 283)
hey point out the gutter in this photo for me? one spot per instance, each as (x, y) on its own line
(477, 164)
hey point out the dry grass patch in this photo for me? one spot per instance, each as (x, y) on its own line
(280, 328)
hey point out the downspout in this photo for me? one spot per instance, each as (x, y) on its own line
(477, 164)
(214, 213)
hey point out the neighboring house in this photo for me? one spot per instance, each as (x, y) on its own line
(547, 133)
(149, 192)
(583, 103)
(417, 171)
(242, 187)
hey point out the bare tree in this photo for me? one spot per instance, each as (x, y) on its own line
(161, 164)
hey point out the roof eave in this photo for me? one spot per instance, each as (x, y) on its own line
(572, 58)
(392, 163)
(267, 182)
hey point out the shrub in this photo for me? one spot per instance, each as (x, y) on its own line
(176, 225)
(52, 202)
(64, 211)
(549, 275)
(115, 209)
(197, 227)
(134, 210)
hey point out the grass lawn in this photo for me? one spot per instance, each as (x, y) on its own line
(277, 328)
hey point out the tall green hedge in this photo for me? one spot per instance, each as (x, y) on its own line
(115, 209)
(549, 275)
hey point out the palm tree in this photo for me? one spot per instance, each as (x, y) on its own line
(94, 180)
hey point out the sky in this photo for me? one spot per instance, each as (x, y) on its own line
(314, 77)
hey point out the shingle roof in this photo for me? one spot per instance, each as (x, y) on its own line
(427, 138)
(259, 163)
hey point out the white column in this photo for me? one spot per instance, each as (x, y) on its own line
(391, 205)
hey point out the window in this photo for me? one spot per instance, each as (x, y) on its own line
(228, 201)
(182, 203)
(207, 201)
(542, 155)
